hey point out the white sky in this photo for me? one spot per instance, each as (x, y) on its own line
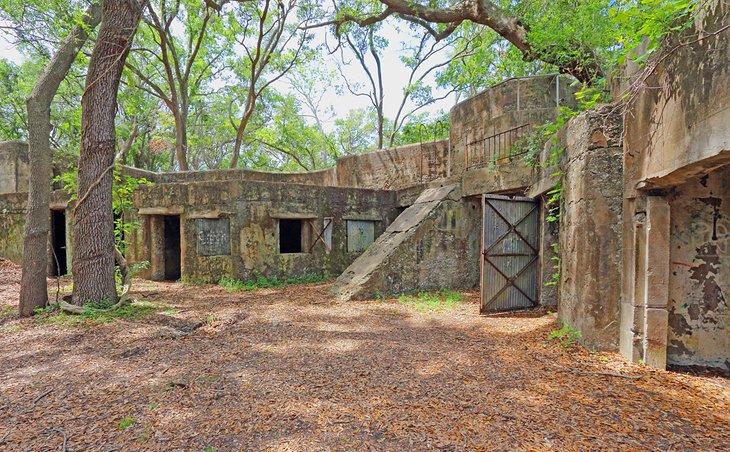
(395, 76)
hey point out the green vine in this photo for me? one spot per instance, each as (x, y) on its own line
(122, 200)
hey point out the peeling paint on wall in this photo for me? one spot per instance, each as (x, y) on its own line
(699, 315)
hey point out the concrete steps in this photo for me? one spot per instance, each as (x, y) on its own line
(419, 250)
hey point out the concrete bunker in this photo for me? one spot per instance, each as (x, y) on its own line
(418, 218)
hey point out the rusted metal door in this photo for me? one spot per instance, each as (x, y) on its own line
(510, 241)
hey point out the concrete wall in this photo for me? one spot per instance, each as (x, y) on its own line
(677, 140)
(13, 167)
(254, 209)
(590, 228)
(434, 244)
(395, 168)
(12, 221)
(699, 271)
(387, 169)
(512, 103)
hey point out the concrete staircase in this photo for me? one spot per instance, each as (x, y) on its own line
(419, 250)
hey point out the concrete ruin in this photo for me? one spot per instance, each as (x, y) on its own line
(643, 235)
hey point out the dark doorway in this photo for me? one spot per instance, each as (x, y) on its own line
(172, 247)
(290, 236)
(58, 243)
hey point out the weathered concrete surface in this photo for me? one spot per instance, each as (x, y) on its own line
(510, 176)
(590, 228)
(512, 103)
(677, 142)
(387, 169)
(433, 244)
(698, 289)
(12, 221)
(396, 168)
(14, 167)
(254, 210)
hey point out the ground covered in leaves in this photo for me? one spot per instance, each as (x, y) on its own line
(204, 368)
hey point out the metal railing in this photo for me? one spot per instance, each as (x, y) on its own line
(492, 149)
(425, 164)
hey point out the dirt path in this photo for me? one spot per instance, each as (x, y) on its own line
(291, 369)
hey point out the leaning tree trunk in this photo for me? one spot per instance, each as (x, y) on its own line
(33, 289)
(93, 256)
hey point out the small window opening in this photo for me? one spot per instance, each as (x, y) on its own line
(290, 236)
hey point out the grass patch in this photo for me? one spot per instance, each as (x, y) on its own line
(267, 283)
(432, 301)
(125, 423)
(10, 329)
(95, 313)
(8, 312)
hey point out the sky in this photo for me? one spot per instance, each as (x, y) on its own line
(394, 72)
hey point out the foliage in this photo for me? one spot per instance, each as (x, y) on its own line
(122, 200)
(98, 313)
(650, 21)
(267, 283)
(126, 423)
(567, 336)
(555, 277)
(7, 311)
(432, 301)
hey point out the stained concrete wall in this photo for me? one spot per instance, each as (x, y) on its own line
(395, 168)
(699, 271)
(254, 209)
(387, 169)
(12, 221)
(512, 103)
(677, 136)
(13, 167)
(434, 244)
(590, 228)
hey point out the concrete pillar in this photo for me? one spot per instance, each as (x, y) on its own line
(157, 248)
(656, 286)
(631, 305)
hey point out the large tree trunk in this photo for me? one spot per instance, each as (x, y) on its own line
(93, 257)
(33, 289)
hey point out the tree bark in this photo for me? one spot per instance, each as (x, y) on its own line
(93, 257)
(33, 288)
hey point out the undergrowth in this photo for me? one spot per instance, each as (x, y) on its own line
(567, 336)
(432, 301)
(97, 313)
(267, 283)
(7, 311)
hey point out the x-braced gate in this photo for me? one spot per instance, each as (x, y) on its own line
(510, 241)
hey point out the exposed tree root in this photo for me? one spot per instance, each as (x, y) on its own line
(123, 298)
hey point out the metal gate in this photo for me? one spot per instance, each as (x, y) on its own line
(510, 240)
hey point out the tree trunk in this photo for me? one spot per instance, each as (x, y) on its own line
(242, 129)
(93, 257)
(181, 142)
(33, 289)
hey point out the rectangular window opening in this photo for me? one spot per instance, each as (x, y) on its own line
(290, 236)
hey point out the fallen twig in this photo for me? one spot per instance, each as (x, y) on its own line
(65, 439)
(36, 400)
(40, 397)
